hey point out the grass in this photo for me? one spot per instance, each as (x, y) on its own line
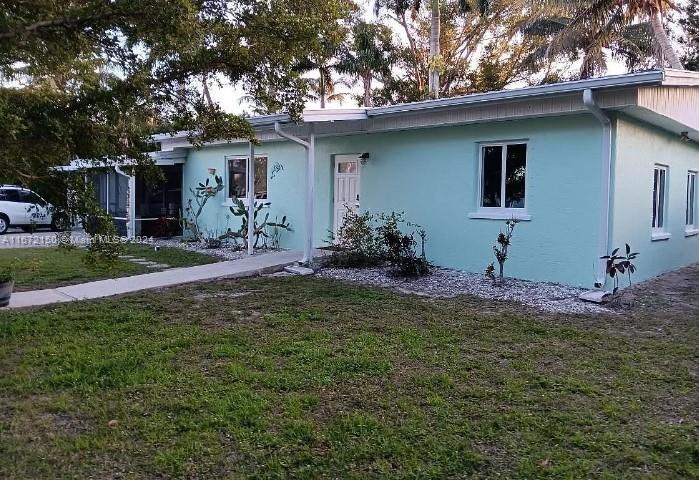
(39, 268)
(306, 378)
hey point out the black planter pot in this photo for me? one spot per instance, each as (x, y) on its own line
(6, 293)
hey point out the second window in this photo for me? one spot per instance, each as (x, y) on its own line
(238, 177)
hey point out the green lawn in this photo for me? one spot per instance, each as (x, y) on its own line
(38, 268)
(308, 378)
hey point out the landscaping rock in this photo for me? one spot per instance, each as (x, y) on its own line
(299, 270)
(595, 296)
(445, 283)
(225, 252)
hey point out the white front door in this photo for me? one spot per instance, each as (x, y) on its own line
(346, 187)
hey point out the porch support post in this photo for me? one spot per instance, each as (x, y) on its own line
(251, 199)
(130, 202)
(310, 187)
(310, 196)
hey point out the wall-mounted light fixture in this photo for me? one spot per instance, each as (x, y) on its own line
(685, 137)
(364, 157)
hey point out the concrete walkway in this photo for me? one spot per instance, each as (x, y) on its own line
(245, 267)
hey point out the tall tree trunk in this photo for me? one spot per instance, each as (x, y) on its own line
(366, 78)
(321, 89)
(207, 94)
(664, 42)
(414, 52)
(434, 49)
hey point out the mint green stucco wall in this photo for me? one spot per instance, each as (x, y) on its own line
(639, 147)
(432, 175)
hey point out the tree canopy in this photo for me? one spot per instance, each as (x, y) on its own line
(92, 79)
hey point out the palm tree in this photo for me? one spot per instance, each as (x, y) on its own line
(632, 43)
(369, 56)
(324, 88)
(602, 21)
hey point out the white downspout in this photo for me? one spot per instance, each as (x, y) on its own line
(251, 199)
(131, 213)
(310, 187)
(591, 105)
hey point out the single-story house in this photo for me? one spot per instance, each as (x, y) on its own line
(586, 166)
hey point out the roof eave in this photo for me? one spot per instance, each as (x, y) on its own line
(653, 77)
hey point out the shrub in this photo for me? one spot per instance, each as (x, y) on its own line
(105, 245)
(363, 242)
(357, 243)
(7, 274)
(400, 247)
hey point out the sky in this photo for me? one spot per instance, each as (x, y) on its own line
(229, 96)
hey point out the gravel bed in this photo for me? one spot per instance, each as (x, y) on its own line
(225, 252)
(444, 283)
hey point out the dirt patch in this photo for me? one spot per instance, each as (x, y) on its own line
(671, 295)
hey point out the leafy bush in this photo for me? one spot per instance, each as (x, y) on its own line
(105, 245)
(7, 274)
(362, 242)
(357, 243)
(400, 247)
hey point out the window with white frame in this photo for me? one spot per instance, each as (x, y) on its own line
(238, 177)
(691, 199)
(659, 197)
(503, 176)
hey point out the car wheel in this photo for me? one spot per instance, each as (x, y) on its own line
(4, 224)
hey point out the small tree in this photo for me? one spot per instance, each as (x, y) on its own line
(501, 250)
(618, 265)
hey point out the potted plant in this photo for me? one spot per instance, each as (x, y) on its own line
(7, 284)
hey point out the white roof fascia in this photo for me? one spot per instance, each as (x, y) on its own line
(617, 81)
(332, 115)
(680, 78)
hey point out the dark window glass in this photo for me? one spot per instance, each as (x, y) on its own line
(516, 174)
(661, 200)
(656, 173)
(691, 201)
(9, 196)
(237, 173)
(237, 178)
(492, 176)
(659, 179)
